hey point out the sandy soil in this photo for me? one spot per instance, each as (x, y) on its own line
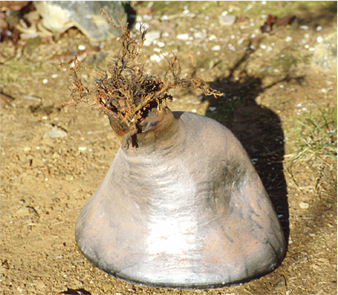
(271, 97)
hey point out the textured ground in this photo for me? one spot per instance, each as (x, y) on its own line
(279, 103)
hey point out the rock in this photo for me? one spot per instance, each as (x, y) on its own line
(183, 37)
(304, 205)
(151, 36)
(325, 54)
(55, 132)
(227, 20)
(59, 16)
(280, 282)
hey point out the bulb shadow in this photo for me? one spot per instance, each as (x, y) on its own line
(258, 129)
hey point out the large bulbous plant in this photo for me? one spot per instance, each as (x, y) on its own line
(181, 205)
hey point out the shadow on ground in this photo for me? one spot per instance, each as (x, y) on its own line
(258, 128)
(75, 292)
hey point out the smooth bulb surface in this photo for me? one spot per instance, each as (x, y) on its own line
(182, 210)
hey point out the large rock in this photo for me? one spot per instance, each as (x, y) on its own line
(59, 16)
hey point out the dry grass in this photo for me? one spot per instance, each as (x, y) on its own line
(315, 136)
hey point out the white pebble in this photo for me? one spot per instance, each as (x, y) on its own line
(304, 205)
(288, 39)
(319, 28)
(82, 148)
(262, 46)
(198, 35)
(306, 46)
(81, 47)
(54, 75)
(306, 35)
(216, 48)
(156, 58)
(194, 110)
(44, 81)
(224, 13)
(183, 37)
(304, 27)
(160, 44)
(212, 37)
(311, 49)
(320, 39)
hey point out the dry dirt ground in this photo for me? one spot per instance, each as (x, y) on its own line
(277, 101)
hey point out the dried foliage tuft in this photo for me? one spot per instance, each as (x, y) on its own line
(125, 92)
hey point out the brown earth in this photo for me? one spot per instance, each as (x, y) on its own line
(276, 98)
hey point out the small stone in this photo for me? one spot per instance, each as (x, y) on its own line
(40, 285)
(151, 37)
(69, 177)
(156, 58)
(280, 282)
(27, 149)
(227, 20)
(183, 37)
(55, 132)
(79, 284)
(106, 287)
(320, 39)
(304, 205)
(325, 53)
(23, 211)
(216, 48)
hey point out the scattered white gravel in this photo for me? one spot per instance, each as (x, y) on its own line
(45, 81)
(288, 39)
